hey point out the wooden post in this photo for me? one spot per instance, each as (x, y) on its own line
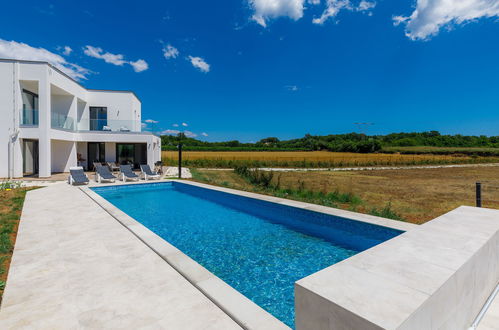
(478, 194)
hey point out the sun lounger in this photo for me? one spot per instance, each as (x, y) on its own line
(95, 165)
(127, 173)
(103, 174)
(77, 176)
(113, 166)
(147, 173)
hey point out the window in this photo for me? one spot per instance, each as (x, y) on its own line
(131, 153)
(98, 119)
(30, 108)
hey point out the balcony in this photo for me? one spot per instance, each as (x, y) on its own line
(108, 125)
(60, 121)
(29, 117)
(68, 123)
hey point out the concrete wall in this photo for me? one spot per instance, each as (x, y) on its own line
(437, 276)
(6, 124)
(63, 155)
(10, 100)
(123, 109)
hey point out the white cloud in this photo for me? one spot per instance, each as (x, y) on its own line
(116, 59)
(204, 134)
(190, 134)
(431, 15)
(333, 8)
(21, 51)
(366, 5)
(67, 50)
(269, 9)
(97, 52)
(292, 88)
(264, 10)
(139, 65)
(184, 124)
(170, 132)
(170, 52)
(175, 125)
(200, 64)
(151, 121)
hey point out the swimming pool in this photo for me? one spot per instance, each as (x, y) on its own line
(257, 247)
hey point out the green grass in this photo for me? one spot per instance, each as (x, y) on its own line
(269, 184)
(386, 212)
(12, 198)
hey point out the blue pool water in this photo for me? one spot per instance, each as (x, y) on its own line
(257, 247)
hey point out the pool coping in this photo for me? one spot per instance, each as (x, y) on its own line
(241, 309)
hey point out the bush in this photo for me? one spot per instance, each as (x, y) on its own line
(386, 212)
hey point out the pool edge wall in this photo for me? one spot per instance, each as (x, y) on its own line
(436, 276)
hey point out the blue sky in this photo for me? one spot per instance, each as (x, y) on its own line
(248, 69)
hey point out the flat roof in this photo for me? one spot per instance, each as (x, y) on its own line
(67, 76)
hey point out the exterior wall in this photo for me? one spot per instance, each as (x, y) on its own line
(60, 96)
(123, 109)
(7, 122)
(63, 155)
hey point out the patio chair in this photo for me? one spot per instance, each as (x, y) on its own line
(77, 176)
(103, 174)
(95, 165)
(158, 167)
(127, 173)
(147, 173)
(113, 166)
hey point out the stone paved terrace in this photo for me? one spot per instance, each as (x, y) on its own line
(75, 266)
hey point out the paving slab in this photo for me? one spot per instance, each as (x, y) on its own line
(75, 266)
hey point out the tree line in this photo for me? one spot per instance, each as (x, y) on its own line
(351, 142)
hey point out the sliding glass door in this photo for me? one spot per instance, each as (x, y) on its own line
(96, 153)
(30, 108)
(98, 118)
(30, 157)
(131, 153)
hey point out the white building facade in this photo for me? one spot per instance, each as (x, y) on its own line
(49, 123)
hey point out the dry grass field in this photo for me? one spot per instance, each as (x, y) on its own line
(310, 159)
(418, 195)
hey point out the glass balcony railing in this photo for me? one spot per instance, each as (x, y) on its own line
(60, 121)
(109, 125)
(151, 128)
(65, 122)
(29, 117)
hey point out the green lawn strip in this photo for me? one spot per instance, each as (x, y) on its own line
(12, 199)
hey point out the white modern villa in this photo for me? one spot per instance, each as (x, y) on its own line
(50, 123)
